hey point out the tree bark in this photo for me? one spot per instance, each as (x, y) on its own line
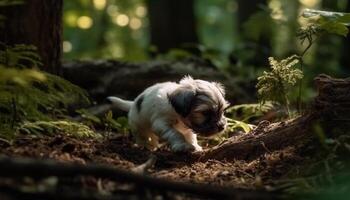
(172, 23)
(39, 23)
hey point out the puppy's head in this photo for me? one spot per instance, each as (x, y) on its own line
(201, 105)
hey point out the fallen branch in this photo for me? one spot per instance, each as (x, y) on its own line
(21, 167)
(142, 169)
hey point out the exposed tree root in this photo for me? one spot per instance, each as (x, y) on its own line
(331, 107)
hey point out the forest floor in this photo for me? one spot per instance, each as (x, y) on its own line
(264, 172)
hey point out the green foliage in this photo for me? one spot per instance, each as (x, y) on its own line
(30, 95)
(11, 2)
(53, 127)
(8, 3)
(20, 56)
(34, 100)
(107, 121)
(260, 24)
(277, 83)
(21, 77)
(236, 124)
(331, 22)
(246, 112)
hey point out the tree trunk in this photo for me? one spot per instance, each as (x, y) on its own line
(39, 23)
(172, 23)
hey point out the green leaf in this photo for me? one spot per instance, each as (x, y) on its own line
(308, 13)
(331, 22)
(335, 28)
(235, 124)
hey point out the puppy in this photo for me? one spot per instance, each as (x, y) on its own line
(176, 112)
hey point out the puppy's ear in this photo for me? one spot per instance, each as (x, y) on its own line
(187, 80)
(220, 87)
(181, 99)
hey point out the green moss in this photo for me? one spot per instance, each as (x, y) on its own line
(31, 99)
(69, 128)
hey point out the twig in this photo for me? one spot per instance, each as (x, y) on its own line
(141, 169)
(14, 109)
(264, 146)
(311, 41)
(15, 167)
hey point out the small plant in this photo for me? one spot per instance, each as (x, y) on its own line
(20, 56)
(276, 84)
(236, 124)
(108, 122)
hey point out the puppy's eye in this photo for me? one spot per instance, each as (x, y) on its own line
(208, 113)
(198, 118)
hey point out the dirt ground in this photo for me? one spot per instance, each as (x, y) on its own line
(119, 152)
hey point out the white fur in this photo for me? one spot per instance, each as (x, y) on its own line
(157, 119)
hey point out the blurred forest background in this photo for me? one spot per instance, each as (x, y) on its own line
(241, 30)
(236, 36)
(119, 47)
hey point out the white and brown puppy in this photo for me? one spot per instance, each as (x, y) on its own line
(176, 112)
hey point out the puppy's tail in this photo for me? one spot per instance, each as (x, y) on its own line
(120, 103)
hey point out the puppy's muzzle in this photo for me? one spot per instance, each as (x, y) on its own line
(221, 125)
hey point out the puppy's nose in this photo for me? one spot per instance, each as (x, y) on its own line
(221, 124)
(221, 128)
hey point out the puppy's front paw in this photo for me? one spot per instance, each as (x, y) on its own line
(197, 147)
(183, 147)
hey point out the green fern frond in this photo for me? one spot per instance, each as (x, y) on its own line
(275, 85)
(20, 55)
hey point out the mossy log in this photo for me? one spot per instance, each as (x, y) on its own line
(330, 109)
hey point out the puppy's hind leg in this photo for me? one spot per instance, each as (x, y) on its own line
(176, 140)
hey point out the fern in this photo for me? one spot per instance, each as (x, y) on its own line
(20, 56)
(276, 84)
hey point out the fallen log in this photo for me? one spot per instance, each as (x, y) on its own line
(104, 78)
(331, 108)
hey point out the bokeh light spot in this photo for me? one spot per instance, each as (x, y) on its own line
(141, 11)
(135, 23)
(100, 4)
(112, 10)
(67, 47)
(121, 20)
(309, 3)
(84, 22)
